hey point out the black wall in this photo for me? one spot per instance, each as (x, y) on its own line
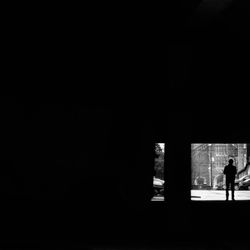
(86, 171)
(77, 140)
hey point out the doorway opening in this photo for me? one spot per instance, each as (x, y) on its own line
(208, 160)
(158, 178)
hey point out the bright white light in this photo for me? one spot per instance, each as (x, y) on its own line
(162, 145)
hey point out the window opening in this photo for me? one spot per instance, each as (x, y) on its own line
(208, 182)
(158, 178)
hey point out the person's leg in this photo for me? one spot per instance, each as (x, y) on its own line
(227, 188)
(232, 188)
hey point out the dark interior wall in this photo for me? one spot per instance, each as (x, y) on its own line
(85, 163)
(92, 164)
(75, 164)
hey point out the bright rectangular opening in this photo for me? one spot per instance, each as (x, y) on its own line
(207, 178)
(158, 178)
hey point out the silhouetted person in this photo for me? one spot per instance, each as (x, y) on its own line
(230, 172)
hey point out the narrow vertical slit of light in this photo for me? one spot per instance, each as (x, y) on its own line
(158, 178)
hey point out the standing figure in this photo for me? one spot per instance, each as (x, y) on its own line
(230, 172)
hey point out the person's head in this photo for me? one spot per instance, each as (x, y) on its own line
(231, 161)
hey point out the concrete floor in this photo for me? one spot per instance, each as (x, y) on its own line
(218, 195)
(213, 195)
